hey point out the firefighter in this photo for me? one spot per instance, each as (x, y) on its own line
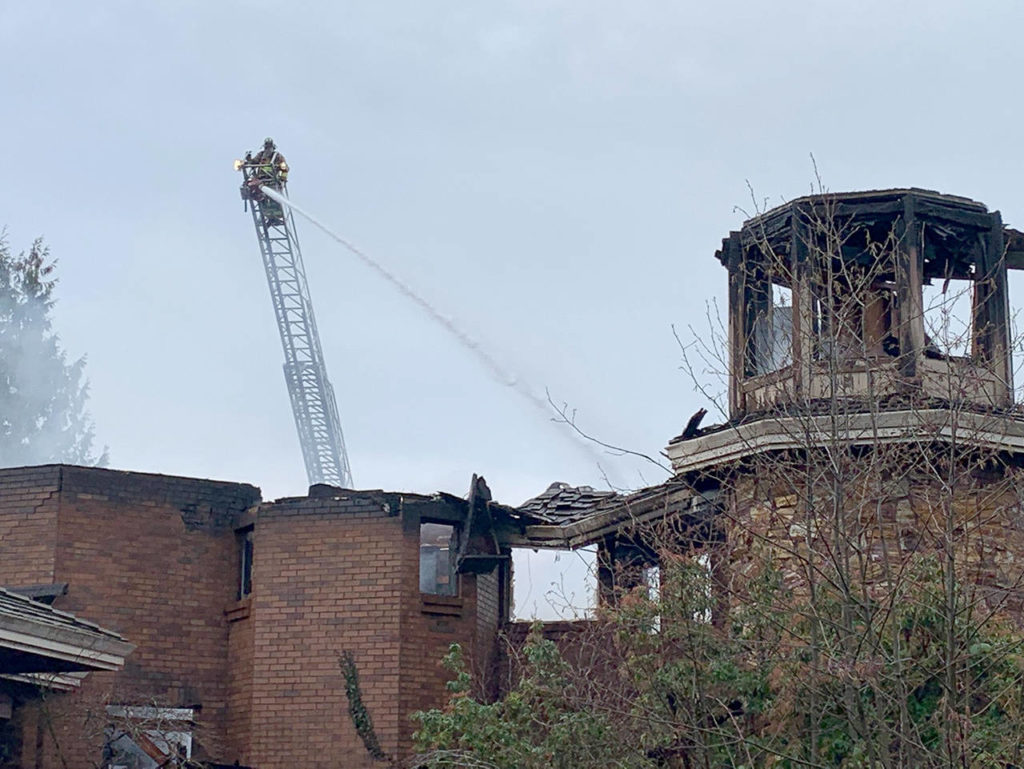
(269, 169)
(272, 167)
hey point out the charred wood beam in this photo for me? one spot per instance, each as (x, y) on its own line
(737, 315)
(909, 266)
(803, 338)
(999, 308)
(928, 210)
(1013, 244)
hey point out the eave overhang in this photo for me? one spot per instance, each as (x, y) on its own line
(38, 640)
(1001, 432)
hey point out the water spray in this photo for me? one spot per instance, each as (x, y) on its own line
(489, 362)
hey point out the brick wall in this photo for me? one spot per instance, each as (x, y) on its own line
(28, 524)
(340, 574)
(239, 681)
(432, 624)
(903, 518)
(156, 558)
(325, 577)
(492, 598)
(574, 638)
(151, 557)
(429, 626)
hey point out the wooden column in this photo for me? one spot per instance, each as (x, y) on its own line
(997, 309)
(804, 338)
(606, 571)
(737, 323)
(909, 272)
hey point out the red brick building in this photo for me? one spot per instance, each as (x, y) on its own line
(239, 610)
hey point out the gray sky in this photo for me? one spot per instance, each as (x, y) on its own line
(554, 175)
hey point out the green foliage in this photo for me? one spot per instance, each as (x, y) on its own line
(540, 724)
(904, 679)
(359, 715)
(42, 395)
(780, 680)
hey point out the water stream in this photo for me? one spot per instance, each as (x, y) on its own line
(468, 343)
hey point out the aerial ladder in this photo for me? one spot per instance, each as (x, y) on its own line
(312, 397)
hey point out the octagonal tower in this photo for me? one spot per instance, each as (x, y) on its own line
(904, 287)
(872, 300)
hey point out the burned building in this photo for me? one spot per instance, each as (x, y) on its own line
(240, 610)
(833, 574)
(869, 373)
(844, 352)
(243, 612)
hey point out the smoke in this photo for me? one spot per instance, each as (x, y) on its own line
(516, 383)
(43, 417)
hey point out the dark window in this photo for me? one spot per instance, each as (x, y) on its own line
(245, 562)
(437, 559)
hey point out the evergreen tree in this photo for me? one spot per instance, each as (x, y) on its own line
(42, 396)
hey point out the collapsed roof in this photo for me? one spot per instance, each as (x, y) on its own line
(565, 516)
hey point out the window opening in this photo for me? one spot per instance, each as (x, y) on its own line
(948, 317)
(437, 559)
(652, 578)
(879, 327)
(773, 332)
(245, 550)
(703, 613)
(554, 584)
(852, 323)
